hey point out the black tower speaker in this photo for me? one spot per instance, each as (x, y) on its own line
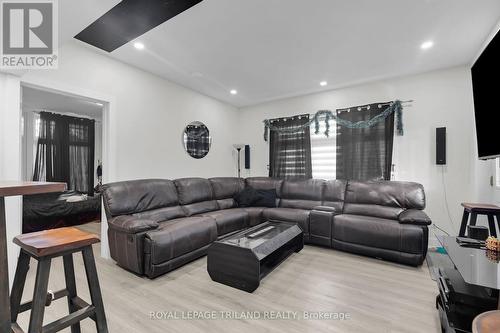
(247, 156)
(441, 145)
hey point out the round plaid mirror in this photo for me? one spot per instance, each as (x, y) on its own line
(197, 139)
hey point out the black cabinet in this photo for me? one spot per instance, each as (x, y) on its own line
(467, 282)
(459, 302)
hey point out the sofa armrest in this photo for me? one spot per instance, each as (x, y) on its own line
(325, 209)
(131, 225)
(414, 216)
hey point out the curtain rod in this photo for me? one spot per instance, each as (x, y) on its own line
(341, 110)
(368, 105)
(292, 117)
(74, 115)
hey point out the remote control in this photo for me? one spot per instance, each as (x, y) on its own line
(260, 232)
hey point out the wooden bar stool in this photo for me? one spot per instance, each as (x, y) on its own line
(475, 209)
(44, 246)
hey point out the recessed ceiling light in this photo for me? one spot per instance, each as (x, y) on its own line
(427, 45)
(234, 92)
(139, 45)
(323, 83)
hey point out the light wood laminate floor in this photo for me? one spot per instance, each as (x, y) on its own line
(378, 296)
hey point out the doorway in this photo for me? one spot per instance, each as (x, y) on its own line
(62, 140)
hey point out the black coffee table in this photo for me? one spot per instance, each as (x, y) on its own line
(243, 259)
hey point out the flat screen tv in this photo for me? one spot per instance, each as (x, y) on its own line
(486, 86)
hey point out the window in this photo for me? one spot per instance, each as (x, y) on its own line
(497, 172)
(65, 151)
(324, 151)
(354, 153)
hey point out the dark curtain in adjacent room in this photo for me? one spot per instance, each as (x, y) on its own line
(290, 150)
(365, 153)
(52, 161)
(81, 154)
(197, 140)
(65, 151)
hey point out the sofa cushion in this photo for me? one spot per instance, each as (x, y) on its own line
(246, 197)
(196, 195)
(192, 190)
(265, 198)
(136, 196)
(334, 194)
(200, 207)
(299, 216)
(414, 216)
(229, 220)
(327, 209)
(384, 212)
(378, 232)
(386, 193)
(162, 214)
(266, 183)
(384, 199)
(130, 224)
(225, 188)
(180, 236)
(302, 194)
(255, 215)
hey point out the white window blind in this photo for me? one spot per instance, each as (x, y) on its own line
(497, 172)
(323, 151)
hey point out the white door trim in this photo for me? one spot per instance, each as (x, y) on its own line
(108, 137)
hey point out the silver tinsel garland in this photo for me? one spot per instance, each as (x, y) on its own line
(395, 107)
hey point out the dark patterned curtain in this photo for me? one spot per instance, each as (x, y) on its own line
(81, 154)
(65, 151)
(365, 153)
(52, 162)
(197, 140)
(290, 150)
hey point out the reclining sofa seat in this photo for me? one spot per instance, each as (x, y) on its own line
(228, 217)
(373, 221)
(137, 213)
(157, 225)
(297, 199)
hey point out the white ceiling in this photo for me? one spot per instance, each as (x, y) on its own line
(270, 49)
(38, 100)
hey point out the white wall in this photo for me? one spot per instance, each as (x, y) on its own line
(97, 148)
(28, 141)
(146, 117)
(10, 157)
(441, 98)
(150, 116)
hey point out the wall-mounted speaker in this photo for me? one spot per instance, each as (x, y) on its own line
(441, 145)
(247, 156)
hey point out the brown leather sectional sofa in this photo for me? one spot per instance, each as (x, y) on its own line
(157, 225)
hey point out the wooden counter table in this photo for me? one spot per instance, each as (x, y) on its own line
(7, 189)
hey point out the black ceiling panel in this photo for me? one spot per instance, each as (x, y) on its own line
(129, 19)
